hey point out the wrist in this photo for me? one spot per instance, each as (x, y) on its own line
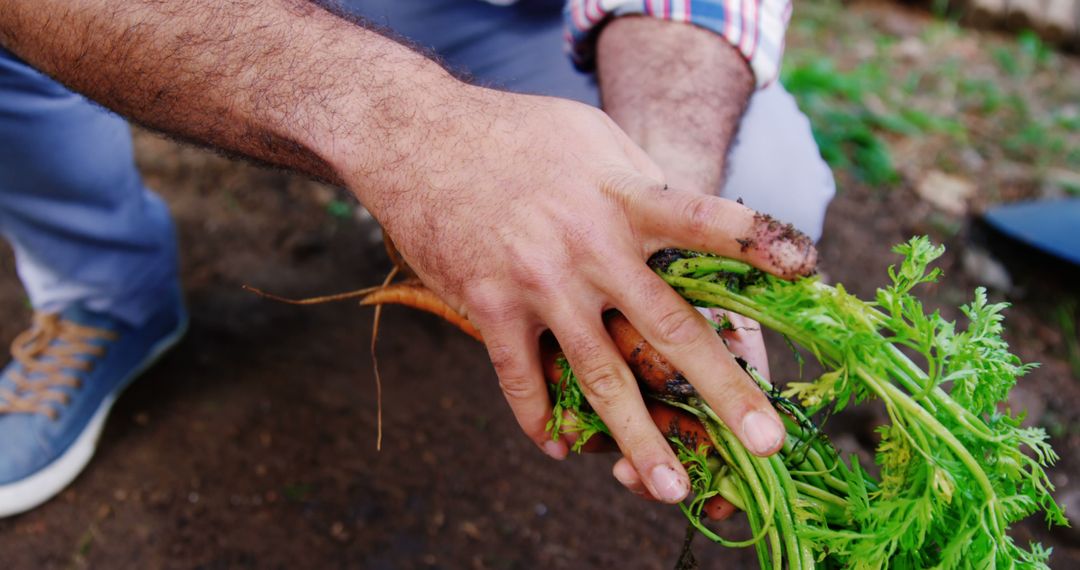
(678, 91)
(379, 131)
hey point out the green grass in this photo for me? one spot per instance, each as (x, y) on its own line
(846, 130)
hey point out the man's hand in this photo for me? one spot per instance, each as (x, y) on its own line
(532, 213)
(679, 91)
(526, 213)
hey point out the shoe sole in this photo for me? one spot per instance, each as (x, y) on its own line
(33, 491)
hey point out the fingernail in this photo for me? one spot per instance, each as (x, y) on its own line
(668, 485)
(555, 450)
(762, 433)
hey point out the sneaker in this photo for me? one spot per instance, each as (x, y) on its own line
(65, 374)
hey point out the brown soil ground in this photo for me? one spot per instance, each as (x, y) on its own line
(252, 445)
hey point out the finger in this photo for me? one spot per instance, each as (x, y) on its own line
(625, 473)
(613, 393)
(681, 334)
(715, 509)
(744, 338)
(718, 509)
(512, 347)
(550, 355)
(674, 218)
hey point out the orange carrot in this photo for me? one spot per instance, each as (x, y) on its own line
(414, 294)
(648, 365)
(674, 422)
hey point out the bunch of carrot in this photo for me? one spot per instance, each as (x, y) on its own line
(954, 470)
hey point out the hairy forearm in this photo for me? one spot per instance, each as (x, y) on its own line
(679, 91)
(279, 81)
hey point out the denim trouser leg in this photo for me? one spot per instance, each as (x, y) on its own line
(83, 226)
(774, 165)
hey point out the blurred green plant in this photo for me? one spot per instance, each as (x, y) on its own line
(868, 90)
(1026, 56)
(339, 209)
(843, 125)
(1033, 48)
(1066, 318)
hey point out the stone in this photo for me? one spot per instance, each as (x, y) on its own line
(946, 192)
(1062, 15)
(985, 269)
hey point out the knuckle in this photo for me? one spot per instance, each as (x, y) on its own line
(619, 185)
(503, 357)
(603, 383)
(735, 397)
(598, 115)
(593, 116)
(700, 214)
(517, 387)
(538, 275)
(514, 379)
(487, 306)
(584, 242)
(677, 327)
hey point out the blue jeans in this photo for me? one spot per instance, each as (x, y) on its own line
(85, 229)
(73, 207)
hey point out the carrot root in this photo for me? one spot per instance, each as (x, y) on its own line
(650, 367)
(415, 295)
(312, 300)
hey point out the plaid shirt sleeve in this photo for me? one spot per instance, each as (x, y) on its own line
(755, 27)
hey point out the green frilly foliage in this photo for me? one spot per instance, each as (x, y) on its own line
(956, 469)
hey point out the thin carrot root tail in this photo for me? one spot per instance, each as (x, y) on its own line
(415, 295)
(311, 300)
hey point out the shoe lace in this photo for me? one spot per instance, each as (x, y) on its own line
(48, 352)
